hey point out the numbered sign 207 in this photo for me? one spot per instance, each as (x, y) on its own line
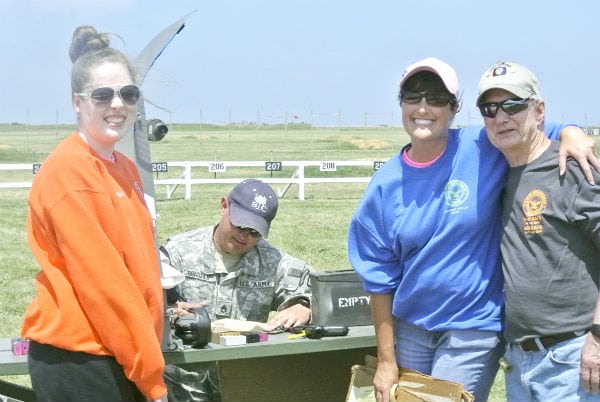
(216, 167)
(328, 166)
(273, 166)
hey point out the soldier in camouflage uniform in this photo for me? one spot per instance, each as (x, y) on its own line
(234, 273)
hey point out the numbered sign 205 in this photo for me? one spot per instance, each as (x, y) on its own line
(216, 167)
(159, 167)
(378, 165)
(328, 166)
(273, 166)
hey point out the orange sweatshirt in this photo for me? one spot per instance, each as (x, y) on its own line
(99, 287)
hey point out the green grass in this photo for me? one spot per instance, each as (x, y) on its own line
(313, 229)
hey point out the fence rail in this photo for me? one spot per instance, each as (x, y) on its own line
(16, 166)
(186, 179)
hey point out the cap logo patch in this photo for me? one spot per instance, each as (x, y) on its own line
(260, 203)
(501, 70)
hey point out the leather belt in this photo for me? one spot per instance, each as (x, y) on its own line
(533, 344)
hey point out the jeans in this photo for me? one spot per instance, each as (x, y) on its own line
(546, 376)
(469, 357)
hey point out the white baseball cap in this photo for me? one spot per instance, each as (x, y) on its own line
(443, 70)
(512, 77)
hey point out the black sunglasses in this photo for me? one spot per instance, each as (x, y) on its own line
(130, 94)
(432, 100)
(250, 231)
(510, 106)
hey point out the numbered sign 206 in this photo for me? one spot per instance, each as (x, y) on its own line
(216, 167)
(328, 166)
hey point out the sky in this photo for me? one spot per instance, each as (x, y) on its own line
(325, 62)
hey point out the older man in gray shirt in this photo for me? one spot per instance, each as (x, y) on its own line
(550, 249)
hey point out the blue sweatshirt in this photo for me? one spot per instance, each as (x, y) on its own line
(431, 236)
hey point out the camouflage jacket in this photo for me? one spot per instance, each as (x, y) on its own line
(264, 280)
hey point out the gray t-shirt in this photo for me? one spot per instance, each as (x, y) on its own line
(550, 248)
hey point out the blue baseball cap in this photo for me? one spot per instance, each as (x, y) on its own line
(253, 204)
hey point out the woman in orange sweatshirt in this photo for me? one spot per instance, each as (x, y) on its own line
(95, 325)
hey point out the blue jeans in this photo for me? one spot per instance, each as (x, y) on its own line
(466, 356)
(548, 375)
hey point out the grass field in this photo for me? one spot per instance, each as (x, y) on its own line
(313, 229)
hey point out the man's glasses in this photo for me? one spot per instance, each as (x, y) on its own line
(432, 100)
(130, 94)
(250, 231)
(510, 106)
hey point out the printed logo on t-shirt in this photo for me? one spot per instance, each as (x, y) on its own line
(139, 189)
(456, 193)
(533, 205)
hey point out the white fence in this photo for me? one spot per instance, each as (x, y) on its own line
(186, 178)
(17, 166)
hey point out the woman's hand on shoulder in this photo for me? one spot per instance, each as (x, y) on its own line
(576, 144)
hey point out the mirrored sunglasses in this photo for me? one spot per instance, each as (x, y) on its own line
(432, 100)
(130, 94)
(510, 106)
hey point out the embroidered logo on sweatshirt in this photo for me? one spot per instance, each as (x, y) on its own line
(533, 205)
(456, 193)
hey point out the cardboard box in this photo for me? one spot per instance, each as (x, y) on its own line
(361, 384)
(251, 337)
(338, 298)
(412, 386)
(232, 340)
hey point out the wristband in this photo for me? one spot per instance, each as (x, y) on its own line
(303, 301)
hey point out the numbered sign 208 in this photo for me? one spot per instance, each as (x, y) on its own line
(328, 166)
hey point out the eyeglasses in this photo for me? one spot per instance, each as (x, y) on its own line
(130, 94)
(432, 100)
(510, 106)
(250, 231)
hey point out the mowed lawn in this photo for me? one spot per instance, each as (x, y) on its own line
(313, 229)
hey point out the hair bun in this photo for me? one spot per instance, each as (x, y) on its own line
(86, 39)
